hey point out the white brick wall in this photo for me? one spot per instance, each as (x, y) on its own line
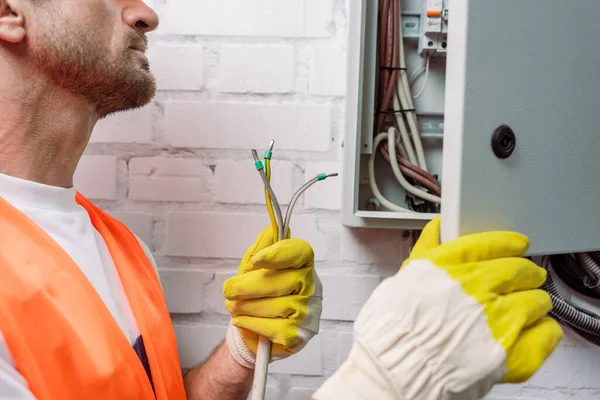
(257, 69)
(233, 74)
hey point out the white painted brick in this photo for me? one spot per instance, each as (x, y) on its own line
(96, 177)
(167, 179)
(195, 342)
(184, 289)
(328, 70)
(309, 361)
(213, 295)
(319, 17)
(206, 17)
(295, 18)
(257, 69)
(140, 223)
(237, 182)
(325, 195)
(377, 246)
(277, 18)
(177, 67)
(133, 126)
(271, 391)
(344, 345)
(297, 126)
(300, 393)
(569, 367)
(228, 235)
(337, 304)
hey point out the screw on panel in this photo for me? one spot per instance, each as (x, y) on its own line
(504, 141)
(373, 204)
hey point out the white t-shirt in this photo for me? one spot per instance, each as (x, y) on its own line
(56, 212)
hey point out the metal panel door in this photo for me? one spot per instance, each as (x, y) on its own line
(533, 65)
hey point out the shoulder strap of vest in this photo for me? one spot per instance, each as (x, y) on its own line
(145, 295)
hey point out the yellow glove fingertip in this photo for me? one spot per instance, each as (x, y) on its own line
(532, 349)
(231, 288)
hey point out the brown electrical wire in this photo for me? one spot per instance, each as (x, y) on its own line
(387, 77)
(389, 36)
(414, 168)
(410, 171)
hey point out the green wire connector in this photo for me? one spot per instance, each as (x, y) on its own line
(321, 177)
(259, 165)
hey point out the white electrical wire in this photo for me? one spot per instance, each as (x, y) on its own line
(391, 135)
(416, 73)
(373, 183)
(404, 92)
(404, 138)
(427, 66)
(402, 149)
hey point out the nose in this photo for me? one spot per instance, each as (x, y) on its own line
(140, 16)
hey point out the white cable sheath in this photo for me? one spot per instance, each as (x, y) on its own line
(415, 74)
(391, 135)
(405, 95)
(402, 149)
(263, 351)
(404, 138)
(427, 66)
(263, 356)
(373, 184)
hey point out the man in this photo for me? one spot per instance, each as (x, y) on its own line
(82, 314)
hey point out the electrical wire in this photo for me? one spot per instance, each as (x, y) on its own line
(415, 74)
(571, 273)
(393, 87)
(261, 171)
(425, 80)
(267, 157)
(404, 138)
(590, 266)
(373, 183)
(391, 135)
(263, 354)
(583, 324)
(406, 100)
(388, 72)
(299, 192)
(413, 172)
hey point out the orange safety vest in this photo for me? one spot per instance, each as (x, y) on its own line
(62, 337)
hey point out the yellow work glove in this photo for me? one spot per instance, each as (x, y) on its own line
(455, 320)
(276, 294)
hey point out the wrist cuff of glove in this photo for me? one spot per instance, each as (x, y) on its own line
(238, 349)
(357, 379)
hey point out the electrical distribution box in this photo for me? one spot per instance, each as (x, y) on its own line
(509, 119)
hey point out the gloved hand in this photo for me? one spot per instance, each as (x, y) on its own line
(276, 294)
(456, 319)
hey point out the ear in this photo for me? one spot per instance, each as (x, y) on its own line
(12, 22)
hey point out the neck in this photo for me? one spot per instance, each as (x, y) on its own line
(43, 130)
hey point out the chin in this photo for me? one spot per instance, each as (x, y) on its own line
(135, 92)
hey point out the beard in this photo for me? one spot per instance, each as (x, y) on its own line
(84, 64)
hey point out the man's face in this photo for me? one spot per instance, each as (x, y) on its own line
(95, 49)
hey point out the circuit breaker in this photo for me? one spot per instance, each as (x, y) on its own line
(507, 117)
(433, 37)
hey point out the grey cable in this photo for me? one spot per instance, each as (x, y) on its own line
(589, 265)
(276, 207)
(299, 192)
(571, 273)
(566, 312)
